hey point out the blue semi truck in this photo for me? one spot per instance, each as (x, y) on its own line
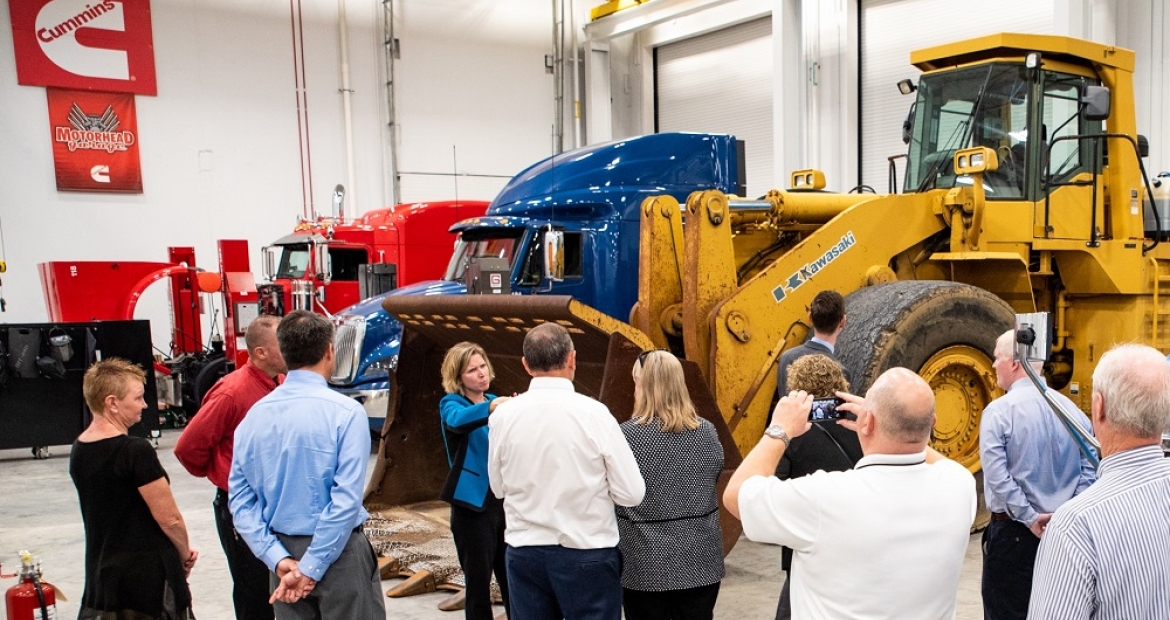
(590, 195)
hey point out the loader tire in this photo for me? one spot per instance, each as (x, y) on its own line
(944, 331)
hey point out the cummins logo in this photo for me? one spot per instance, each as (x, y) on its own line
(84, 44)
(805, 273)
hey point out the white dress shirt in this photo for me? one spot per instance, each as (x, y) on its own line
(883, 540)
(560, 462)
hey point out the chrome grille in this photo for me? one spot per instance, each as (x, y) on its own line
(347, 348)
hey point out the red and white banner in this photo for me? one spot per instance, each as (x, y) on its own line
(95, 141)
(84, 44)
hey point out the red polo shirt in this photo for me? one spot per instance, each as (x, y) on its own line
(205, 447)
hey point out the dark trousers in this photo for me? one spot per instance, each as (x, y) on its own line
(689, 604)
(350, 589)
(479, 542)
(784, 605)
(1009, 555)
(249, 575)
(551, 582)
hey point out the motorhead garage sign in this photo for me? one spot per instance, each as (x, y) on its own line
(84, 44)
(95, 141)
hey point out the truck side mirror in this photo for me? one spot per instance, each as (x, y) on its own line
(268, 259)
(322, 262)
(554, 255)
(1096, 100)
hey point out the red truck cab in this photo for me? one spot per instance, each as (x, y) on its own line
(330, 264)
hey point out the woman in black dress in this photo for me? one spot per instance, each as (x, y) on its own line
(137, 556)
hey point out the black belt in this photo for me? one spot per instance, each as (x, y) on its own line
(356, 530)
(1001, 516)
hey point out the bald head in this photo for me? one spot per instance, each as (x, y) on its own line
(547, 347)
(1132, 384)
(903, 407)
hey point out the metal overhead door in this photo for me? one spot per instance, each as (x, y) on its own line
(890, 30)
(721, 82)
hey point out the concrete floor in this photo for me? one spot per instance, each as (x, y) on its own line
(38, 511)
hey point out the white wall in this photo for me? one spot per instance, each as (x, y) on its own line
(219, 144)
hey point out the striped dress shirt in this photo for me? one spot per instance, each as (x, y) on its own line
(1106, 553)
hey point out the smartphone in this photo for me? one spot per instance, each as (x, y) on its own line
(825, 409)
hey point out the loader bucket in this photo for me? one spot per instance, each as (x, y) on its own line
(412, 462)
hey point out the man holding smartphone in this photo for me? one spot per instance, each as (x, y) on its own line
(894, 529)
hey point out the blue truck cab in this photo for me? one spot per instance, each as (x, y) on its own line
(593, 196)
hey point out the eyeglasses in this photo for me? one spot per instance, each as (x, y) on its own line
(644, 354)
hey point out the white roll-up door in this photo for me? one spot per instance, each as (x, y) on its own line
(890, 30)
(720, 82)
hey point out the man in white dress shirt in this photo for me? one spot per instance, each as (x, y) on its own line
(560, 463)
(885, 539)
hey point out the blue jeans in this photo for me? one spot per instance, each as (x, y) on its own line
(552, 582)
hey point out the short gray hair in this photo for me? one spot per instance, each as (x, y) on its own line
(1134, 381)
(1006, 344)
(547, 347)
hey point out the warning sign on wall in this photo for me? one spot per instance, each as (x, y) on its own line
(95, 141)
(84, 44)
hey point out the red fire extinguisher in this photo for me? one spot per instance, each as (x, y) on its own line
(31, 599)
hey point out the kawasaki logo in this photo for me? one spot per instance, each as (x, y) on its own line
(804, 274)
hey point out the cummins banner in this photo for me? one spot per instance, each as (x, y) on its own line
(84, 44)
(95, 141)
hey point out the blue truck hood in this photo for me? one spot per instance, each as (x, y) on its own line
(600, 177)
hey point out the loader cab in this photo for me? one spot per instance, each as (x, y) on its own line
(1016, 111)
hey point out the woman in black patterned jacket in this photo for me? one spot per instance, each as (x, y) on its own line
(671, 544)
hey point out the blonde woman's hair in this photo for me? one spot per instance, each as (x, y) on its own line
(819, 375)
(112, 376)
(455, 362)
(663, 395)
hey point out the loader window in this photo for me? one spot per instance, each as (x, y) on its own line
(985, 105)
(1061, 117)
(475, 243)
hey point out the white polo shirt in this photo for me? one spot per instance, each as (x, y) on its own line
(560, 462)
(883, 540)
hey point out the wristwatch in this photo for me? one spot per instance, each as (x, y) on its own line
(776, 431)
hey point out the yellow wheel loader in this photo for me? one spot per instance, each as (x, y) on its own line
(1024, 191)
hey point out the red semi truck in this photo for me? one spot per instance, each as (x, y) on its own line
(325, 265)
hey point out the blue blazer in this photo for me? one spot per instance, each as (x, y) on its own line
(465, 436)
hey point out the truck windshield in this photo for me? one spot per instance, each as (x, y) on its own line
(495, 243)
(985, 105)
(294, 260)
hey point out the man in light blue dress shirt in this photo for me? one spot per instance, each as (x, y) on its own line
(296, 485)
(1031, 465)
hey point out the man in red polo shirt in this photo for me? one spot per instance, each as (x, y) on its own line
(205, 449)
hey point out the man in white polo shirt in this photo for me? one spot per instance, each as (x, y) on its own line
(560, 462)
(883, 540)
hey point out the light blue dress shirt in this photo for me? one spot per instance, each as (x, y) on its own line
(299, 468)
(1031, 464)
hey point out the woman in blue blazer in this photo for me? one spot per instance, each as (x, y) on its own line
(477, 516)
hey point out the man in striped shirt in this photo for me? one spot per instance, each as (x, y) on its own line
(1106, 553)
